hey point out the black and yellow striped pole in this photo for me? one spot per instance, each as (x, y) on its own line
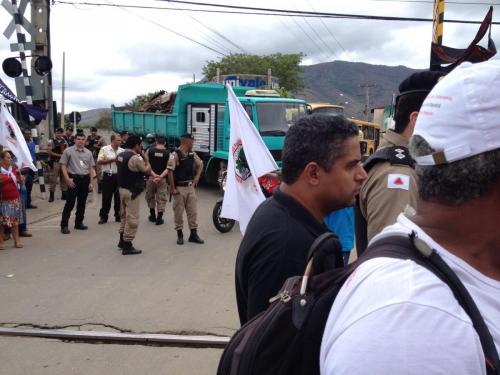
(438, 20)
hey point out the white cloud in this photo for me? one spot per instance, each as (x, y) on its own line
(113, 55)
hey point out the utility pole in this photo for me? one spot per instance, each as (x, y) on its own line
(367, 99)
(438, 21)
(63, 90)
(40, 18)
(437, 25)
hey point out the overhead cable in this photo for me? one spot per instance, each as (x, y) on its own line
(278, 12)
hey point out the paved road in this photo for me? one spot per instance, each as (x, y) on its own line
(81, 281)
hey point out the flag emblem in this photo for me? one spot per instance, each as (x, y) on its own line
(240, 162)
(398, 181)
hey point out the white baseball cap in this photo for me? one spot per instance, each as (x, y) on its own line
(461, 116)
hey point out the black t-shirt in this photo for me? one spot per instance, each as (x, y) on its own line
(274, 248)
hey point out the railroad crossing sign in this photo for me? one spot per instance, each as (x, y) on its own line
(24, 22)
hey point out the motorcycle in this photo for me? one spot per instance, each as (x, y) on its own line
(268, 183)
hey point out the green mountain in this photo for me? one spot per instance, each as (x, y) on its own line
(339, 82)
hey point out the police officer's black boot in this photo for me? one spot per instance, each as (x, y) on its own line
(129, 249)
(51, 196)
(159, 218)
(152, 215)
(120, 243)
(180, 237)
(194, 237)
(99, 188)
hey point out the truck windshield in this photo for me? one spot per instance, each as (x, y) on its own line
(329, 111)
(275, 118)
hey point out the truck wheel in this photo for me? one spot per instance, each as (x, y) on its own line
(221, 224)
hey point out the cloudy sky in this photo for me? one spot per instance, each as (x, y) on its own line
(116, 53)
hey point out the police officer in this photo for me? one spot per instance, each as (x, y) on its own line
(55, 149)
(184, 171)
(132, 169)
(124, 135)
(156, 192)
(150, 141)
(391, 184)
(69, 137)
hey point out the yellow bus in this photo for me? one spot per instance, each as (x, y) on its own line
(369, 132)
(369, 136)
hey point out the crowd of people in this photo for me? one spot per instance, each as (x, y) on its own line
(435, 179)
(123, 170)
(435, 182)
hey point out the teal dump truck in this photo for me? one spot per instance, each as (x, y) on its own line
(201, 109)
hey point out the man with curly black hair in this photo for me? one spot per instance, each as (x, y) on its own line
(321, 172)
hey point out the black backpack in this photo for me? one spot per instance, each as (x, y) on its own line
(286, 338)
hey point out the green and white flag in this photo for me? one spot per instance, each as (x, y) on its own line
(248, 160)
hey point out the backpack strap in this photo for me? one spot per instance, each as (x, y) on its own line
(415, 249)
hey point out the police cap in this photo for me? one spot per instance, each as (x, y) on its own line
(420, 81)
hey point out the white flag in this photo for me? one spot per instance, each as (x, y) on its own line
(249, 159)
(12, 138)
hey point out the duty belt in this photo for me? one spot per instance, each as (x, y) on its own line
(109, 173)
(184, 183)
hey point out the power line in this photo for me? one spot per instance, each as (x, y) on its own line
(220, 35)
(317, 35)
(310, 38)
(220, 45)
(168, 29)
(432, 2)
(278, 12)
(292, 30)
(327, 28)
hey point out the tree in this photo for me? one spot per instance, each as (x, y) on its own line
(284, 66)
(105, 121)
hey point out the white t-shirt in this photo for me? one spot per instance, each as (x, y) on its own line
(395, 317)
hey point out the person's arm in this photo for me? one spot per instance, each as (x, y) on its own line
(92, 173)
(171, 182)
(103, 159)
(199, 169)
(19, 177)
(50, 146)
(69, 181)
(138, 164)
(387, 196)
(64, 169)
(171, 165)
(164, 173)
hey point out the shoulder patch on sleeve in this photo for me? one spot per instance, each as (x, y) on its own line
(398, 181)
